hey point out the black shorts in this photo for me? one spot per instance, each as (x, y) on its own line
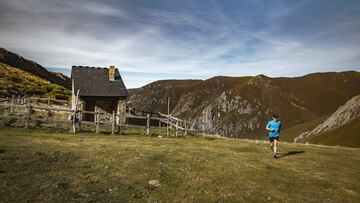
(271, 139)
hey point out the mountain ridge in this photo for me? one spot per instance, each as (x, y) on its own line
(17, 61)
(17, 82)
(239, 106)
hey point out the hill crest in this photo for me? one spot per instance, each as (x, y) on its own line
(17, 61)
(240, 106)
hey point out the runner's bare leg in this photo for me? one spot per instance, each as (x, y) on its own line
(275, 146)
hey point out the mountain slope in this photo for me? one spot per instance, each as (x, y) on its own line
(153, 97)
(240, 106)
(17, 61)
(14, 81)
(341, 128)
(289, 134)
(346, 135)
(345, 114)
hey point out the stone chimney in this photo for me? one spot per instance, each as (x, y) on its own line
(112, 73)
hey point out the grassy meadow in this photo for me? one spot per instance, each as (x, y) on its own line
(41, 166)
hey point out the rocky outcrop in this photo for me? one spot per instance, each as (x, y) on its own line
(343, 115)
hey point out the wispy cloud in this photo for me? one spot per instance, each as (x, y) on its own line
(191, 39)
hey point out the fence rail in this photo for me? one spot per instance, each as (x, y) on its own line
(115, 120)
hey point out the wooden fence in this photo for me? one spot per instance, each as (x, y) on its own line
(101, 118)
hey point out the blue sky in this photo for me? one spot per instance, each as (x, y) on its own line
(150, 40)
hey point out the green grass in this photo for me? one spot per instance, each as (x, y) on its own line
(58, 167)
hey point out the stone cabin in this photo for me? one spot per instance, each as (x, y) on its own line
(101, 88)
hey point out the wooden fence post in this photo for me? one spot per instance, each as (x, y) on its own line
(168, 117)
(74, 121)
(97, 120)
(113, 123)
(167, 125)
(75, 111)
(79, 121)
(119, 123)
(12, 103)
(177, 129)
(203, 128)
(28, 115)
(185, 127)
(127, 116)
(148, 124)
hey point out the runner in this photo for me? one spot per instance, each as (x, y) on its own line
(274, 127)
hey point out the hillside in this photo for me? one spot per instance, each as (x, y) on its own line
(154, 95)
(241, 106)
(343, 115)
(36, 166)
(341, 128)
(14, 81)
(15, 60)
(289, 134)
(346, 135)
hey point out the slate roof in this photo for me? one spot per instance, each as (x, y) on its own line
(94, 81)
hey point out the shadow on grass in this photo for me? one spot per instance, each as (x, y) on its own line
(290, 153)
